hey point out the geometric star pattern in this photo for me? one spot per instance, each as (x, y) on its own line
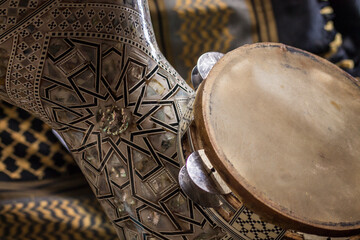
(85, 67)
(132, 174)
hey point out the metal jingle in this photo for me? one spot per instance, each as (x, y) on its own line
(196, 78)
(195, 193)
(207, 61)
(204, 174)
(203, 67)
(200, 181)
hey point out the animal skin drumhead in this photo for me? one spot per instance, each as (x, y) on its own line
(282, 127)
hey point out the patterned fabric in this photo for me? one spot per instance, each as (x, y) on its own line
(186, 29)
(54, 218)
(29, 150)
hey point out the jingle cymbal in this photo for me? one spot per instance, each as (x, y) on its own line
(282, 127)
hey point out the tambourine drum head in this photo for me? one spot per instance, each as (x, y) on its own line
(282, 127)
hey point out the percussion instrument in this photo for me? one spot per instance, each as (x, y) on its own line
(280, 126)
(275, 126)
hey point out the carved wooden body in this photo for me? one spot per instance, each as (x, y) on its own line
(92, 70)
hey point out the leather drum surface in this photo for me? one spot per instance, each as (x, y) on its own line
(282, 128)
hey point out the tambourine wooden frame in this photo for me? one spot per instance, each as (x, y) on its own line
(270, 211)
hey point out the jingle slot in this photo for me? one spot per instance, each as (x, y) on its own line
(200, 182)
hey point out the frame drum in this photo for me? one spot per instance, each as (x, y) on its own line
(281, 127)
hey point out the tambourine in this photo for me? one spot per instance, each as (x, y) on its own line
(276, 127)
(273, 127)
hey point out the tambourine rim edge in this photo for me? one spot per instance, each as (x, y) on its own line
(253, 198)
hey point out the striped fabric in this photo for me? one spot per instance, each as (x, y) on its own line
(54, 218)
